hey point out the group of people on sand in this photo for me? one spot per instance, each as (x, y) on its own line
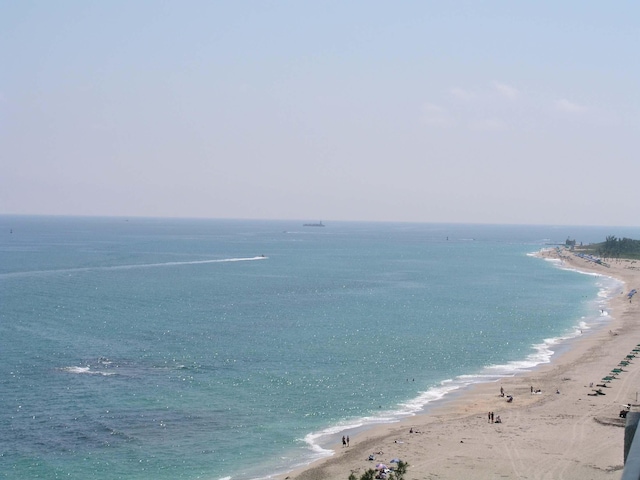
(509, 397)
(345, 441)
(491, 419)
(623, 413)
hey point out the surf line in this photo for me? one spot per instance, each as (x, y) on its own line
(131, 266)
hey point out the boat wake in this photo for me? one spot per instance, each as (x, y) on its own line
(129, 266)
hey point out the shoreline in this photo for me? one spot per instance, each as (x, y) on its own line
(572, 434)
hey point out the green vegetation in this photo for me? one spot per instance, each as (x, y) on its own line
(398, 473)
(614, 247)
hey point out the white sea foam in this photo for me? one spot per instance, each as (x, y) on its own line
(76, 369)
(85, 370)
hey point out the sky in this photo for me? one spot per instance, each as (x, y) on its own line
(507, 112)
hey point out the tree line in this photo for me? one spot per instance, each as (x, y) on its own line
(614, 247)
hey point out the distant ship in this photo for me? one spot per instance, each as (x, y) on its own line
(319, 224)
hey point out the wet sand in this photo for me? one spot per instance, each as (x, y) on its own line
(573, 434)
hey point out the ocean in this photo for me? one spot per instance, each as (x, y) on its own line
(232, 349)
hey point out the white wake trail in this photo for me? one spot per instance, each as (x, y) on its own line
(129, 267)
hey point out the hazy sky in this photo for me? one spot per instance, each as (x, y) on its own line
(426, 111)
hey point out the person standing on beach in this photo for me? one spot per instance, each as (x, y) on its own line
(344, 441)
(489, 417)
(347, 440)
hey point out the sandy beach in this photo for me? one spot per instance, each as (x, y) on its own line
(567, 431)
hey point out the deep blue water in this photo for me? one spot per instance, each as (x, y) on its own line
(184, 349)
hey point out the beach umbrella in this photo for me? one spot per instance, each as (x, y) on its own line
(381, 466)
(395, 460)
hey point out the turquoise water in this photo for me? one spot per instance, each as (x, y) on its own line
(184, 349)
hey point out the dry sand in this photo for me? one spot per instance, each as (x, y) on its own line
(568, 435)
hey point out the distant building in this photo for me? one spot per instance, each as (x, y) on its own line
(570, 243)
